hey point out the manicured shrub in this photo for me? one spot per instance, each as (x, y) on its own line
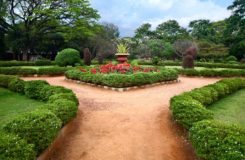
(67, 57)
(47, 91)
(231, 58)
(44, 62)
(17, 71)
(16, 63)
(155, 60)
(33, 89)
(5, 80)
(188, 111)
(66, 96)
(36, 127)
(63, 109)
(87, 57)
(215, 140)
(13, 147)
(17, 85)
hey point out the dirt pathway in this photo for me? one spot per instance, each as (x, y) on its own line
(133, 125)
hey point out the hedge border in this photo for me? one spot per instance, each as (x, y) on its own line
(70, 112)
(190, 111)
(123, 89)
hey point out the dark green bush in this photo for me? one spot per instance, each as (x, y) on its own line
(188, 111)
(13, 147)
(44, 62)
(231, 58)
(33, 89)
(67, 57)
(215, 141)
(63, 109)
(47, 91)
(66, 96)
(36, 127)
(17, 85)
(17, 71)
(5, 80)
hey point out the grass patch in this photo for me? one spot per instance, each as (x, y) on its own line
(12, 104)
(231, 109)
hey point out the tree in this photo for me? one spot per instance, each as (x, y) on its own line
(202, 29)
(180, 46)
(170, 31)
(235, 31)
(35, 19)
(144, 32)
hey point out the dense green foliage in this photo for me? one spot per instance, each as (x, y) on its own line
(13, 147)
(123, 80)
(67, 57)
(35, 129)
(212, 140)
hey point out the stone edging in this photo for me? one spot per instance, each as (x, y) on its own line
(126, 88)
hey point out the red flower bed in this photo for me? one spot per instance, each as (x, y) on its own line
(120, 68)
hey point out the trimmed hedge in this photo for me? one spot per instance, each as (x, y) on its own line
(36, 127)
(26, 63)
(197, 64)
(123, 80)
(13, 147)
(212, 140)
(34, 131)
(213, 73)
(33, 71)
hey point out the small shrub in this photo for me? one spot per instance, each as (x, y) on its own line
(134, 62)
(231, 58)
(155, 60)
(36, 127)
(5, 80)
(63, 109)
(34, 88)
(215, 140)
(67, 57)
(188, 111)
(87, 57)
(17, 85)
(13, 147)
(47, 91)
(66, 96)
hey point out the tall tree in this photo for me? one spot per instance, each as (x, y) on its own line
(171, 31)
(202, 29)
(144, 32)
(34, 19)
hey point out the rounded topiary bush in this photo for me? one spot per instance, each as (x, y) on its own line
(63, 109)
(67, 57)
(17, 85)
(67, 96)
(33, 89)
(13, 147)
(38, 127)
(47, 91)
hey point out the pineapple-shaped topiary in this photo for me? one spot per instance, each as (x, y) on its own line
(188, 58)
(87, 57)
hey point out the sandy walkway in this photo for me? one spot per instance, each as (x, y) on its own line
(133, 125)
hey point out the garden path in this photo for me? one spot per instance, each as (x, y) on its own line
(132, 125)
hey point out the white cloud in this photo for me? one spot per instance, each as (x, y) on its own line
(130, 14)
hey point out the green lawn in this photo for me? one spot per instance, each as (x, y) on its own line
(12, 104)
(231, 109)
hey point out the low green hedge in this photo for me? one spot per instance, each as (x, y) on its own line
(213, 72)
(212, 140)
(36, 129)
(26, 63)
(32, 71)
(13, 147)
(197, 64)
(123, 80)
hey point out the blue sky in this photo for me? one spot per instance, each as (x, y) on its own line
(130, 14)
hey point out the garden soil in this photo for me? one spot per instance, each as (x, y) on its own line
(132, 125)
